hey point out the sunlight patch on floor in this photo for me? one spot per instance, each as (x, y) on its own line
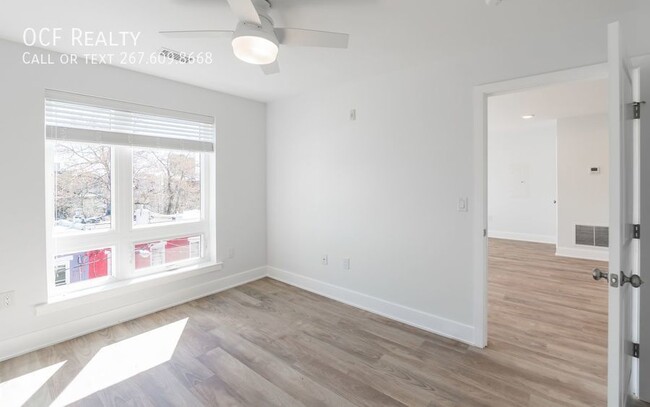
(17, 391)
(122, 360)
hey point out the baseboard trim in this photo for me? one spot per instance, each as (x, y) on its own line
(32, 341)
(525, 237)
(580, 253)
(409, 316)
(60, 333)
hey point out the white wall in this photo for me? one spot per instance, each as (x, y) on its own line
(522, 182)
(383, 190)
(583, 198)
(241, 192)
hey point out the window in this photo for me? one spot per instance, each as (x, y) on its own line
(83, 200)
(83, 266)
(129, 190)
(166, 186)
(162, 253)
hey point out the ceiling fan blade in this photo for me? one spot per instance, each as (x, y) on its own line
(310, 38)
(197, 34)
(245, 11)
(271, 69)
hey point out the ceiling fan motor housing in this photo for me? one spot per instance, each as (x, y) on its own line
(256, 44)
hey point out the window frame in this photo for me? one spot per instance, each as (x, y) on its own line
(123, 234)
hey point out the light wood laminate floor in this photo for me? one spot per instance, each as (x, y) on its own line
(269, 344)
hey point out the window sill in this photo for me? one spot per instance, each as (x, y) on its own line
(119, 288)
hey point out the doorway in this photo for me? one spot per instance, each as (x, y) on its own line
(626, 319)
(528, 251)
(548, 218)
(481, 100)
(481, 97)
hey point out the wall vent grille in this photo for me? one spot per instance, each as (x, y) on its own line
(601, 235)
(177, 56)
(592, 235)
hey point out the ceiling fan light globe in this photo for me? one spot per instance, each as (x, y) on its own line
(255, 50)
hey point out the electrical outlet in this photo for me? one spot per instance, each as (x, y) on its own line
(7, 299)
(346, 263)
(324, 260)
(231, 253)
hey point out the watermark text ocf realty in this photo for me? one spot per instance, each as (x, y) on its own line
(53, 36)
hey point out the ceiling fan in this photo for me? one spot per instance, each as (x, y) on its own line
(255, 40)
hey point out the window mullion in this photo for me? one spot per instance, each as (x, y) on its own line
(50, 193)
(208, 208)
(76, 243)
(166, 231)
(123, 212)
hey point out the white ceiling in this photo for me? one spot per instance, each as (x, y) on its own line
(547, 104)
(386, 35)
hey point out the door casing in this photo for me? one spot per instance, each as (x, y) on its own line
(481, 95)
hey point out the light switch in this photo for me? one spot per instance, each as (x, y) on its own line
(463, 205)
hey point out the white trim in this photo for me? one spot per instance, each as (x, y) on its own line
(409, 316)
(50, 336)
(615, 365)
(583, 253)
(481, 94)
(524, 237)
(32, 341)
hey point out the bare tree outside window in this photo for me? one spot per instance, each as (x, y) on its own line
(166, 186)
(82, 187)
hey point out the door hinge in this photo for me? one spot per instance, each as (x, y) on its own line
(637, 231)
(636, 107)
(635, 350)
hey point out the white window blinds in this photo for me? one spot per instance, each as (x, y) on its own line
(72, 117)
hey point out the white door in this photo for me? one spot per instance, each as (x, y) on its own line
(624, 213)
(644, 330)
